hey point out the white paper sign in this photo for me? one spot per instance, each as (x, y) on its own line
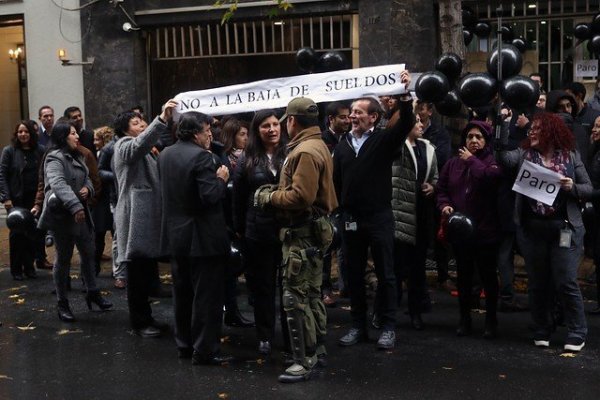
(586, 68)
(538, 183)
(275, 93)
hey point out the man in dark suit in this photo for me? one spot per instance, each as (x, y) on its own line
(194, 234)
(46, 117)
(86, 137)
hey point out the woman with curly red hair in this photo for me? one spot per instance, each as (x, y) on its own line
(551, 236)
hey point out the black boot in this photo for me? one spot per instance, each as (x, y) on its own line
(97, 299)
(64, 311)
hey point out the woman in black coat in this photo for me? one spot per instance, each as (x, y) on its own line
(260, 165)
(18, 185)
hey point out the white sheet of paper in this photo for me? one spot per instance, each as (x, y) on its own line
(537, 182)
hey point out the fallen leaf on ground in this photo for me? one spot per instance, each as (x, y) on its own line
(260, 361)
(502, 376)
(105, 293)
(568, 355)
(38, 309)
(75, 277)
(15, 289)
(20, 301)
(478, 311)
(346, 308)
(223, 395)
(448, 368)
(67, 331)
(6, 377)
(14, 296)
(225, 339)
(27, 328)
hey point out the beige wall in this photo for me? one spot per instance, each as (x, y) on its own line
(10, 110)
(48, 81)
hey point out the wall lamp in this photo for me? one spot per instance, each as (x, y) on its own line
(15, 54)
(62, 56)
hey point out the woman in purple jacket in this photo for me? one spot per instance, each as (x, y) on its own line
(467, 184)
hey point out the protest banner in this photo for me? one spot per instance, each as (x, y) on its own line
(275, 93)
(537, 182)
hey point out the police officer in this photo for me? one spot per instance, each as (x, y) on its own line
(304, 198)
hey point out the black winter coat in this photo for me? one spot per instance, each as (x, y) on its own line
(249, 221)
(12, 164)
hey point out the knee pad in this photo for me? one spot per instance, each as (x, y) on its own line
(290, 300)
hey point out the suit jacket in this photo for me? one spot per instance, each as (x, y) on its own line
(193, 220)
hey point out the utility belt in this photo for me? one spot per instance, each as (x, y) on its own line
(319, 230)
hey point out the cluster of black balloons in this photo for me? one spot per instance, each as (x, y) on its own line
(308, 60)
(591, 33)
(482, 29)
(448, 93)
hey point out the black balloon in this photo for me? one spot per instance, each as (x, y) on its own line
(507, 34)
(589, 47)
(460, 228)
(477, 90)
(582, 31)
(20, 220)
(482, 29)
(467, 36)
(594, 44)
(450, 65)
(331, 61)
(520, 44)
(306, 59)
(469, 19)
(451, 105)
(595, 26)
(520, 93)
(54, 203)
(432, 86)
(512, 61)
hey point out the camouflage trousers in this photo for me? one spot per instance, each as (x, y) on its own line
(302, 277)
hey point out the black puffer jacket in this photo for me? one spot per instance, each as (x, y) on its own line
(249, 221)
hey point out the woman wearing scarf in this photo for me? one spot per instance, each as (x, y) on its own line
(551, 237)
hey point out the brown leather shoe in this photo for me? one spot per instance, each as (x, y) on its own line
(120, 283)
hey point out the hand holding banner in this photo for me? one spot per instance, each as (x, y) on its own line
(537, 182)
(276, 93)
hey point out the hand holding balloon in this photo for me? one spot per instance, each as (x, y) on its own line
(447, 210)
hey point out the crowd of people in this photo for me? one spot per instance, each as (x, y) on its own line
(296, 191)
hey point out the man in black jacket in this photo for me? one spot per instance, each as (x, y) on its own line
(338, 124)
(194, 234)
(586, 115)
(363, 182)
(86, 137)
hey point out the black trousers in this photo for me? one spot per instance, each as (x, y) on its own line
(141, 272)
(198, 302)
(480, 258)
(375, 231)
(410, 263)
(21, 248)
(263, 259)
